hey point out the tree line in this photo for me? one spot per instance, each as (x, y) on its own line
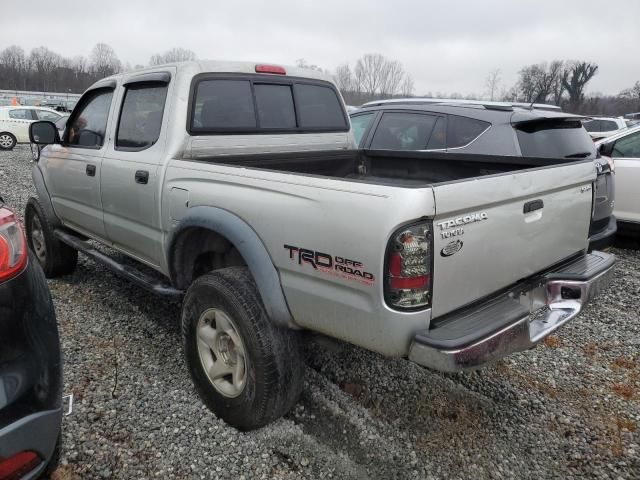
(563, 83)
(372, 76)
(45, 70)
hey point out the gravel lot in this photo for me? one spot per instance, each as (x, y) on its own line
(570, 408)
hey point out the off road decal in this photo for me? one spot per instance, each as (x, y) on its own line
(331, 264)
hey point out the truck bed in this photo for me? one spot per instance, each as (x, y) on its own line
(388, 167)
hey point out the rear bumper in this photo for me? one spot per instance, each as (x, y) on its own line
(604, 238)
(37, 432)
(513, 322)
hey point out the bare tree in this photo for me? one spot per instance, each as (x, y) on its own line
(14, 64)
(633, 95)
(528, 82)
(344, 78)
(104, 61)
(391, 75)
(557, 87)
(369, 69)
(493, 83)
(407, 87)
(541, 81)
(44, 61)
(173, 55)
(575, 79)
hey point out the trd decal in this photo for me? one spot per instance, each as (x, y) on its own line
(333, 265)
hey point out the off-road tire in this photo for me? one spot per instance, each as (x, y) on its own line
(56, 258)
(275, 366)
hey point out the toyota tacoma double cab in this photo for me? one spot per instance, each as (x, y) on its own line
(241, 184)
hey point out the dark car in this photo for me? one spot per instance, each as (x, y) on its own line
(30, 365)
(489, 128)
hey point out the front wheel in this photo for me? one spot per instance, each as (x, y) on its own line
(247, 370)
(55, 257)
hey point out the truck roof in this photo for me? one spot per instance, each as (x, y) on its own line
(222, 66)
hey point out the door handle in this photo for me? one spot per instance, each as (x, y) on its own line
(142, 176)
(532, 206)
(91, 170)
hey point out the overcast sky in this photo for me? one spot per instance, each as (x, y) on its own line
(447, 46)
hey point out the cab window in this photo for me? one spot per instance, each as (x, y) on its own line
(87, 126)
(141, 116)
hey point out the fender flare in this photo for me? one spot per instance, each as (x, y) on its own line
(43, 196)
(250, 246)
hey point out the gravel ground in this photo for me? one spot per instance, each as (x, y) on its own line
(570, 408)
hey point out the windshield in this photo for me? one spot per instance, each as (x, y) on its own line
(557, 138)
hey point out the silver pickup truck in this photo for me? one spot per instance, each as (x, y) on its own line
(242, 186)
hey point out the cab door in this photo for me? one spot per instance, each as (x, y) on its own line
(130, 182)
(626, 156)
(72, 169)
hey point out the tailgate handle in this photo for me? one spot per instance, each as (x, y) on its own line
(532, 206)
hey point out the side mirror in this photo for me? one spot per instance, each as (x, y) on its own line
(43, 133)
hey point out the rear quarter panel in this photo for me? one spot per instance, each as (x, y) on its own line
(345, 219)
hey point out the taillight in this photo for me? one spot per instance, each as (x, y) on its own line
(408, 279)
(270, 69)
(19, 465)
(13, 245)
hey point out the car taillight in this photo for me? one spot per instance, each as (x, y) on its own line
(13, 245)
(19, 465)
(408, 276)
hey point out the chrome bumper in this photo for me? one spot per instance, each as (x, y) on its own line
(565, 292)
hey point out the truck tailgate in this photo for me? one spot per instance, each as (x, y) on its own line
(490, 232)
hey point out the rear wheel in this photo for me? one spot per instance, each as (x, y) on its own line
(247, 370)
(55, 257)
(7, 141)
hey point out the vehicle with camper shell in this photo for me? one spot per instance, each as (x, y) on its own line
(242, 186)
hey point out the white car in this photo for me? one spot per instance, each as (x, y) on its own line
(624, 149)
(603, 127)
(15, 121)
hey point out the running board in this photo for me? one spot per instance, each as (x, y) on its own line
(130, 273)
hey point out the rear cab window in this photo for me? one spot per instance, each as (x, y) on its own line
(555, 138)
(264, 104)
(141, 116)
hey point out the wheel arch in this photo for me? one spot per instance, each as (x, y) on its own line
(210, 230)
(43, 197)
